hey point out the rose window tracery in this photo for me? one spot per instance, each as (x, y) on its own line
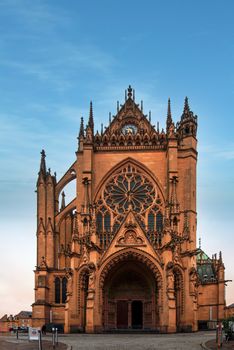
(129, 190)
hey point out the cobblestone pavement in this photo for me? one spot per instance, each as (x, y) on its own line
(185, 341)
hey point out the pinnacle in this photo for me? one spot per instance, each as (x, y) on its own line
(129, 91)
(81, 133)
(43, 163)
(186, 105)
(169, 117)
(91, 121)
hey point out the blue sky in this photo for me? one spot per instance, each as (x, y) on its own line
(55, 56)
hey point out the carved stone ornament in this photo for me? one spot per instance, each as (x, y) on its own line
(69, 275)
(43, 264)
(130, 237)
(85, 256)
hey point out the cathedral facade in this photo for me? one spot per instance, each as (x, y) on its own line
(122, 254)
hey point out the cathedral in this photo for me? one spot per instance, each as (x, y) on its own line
(122, 255)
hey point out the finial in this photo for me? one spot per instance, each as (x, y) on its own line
(158, 127)
(101, 128)
(117, 106)
(199, 242)
(141, 105)
(81, 133)
(125, 95)
(43, 163)
(129, 91)
(91, 122)
(169, 118)
(109, 117)
(63, 205)
(133, 95)
(150, 116)
(186, 105)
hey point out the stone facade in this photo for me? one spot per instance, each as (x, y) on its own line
(122, 254)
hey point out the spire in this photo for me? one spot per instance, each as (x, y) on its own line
(186, 105)
(63, 205)
(43, 163)
(81, 133)
(186, 111)
(91, 122)
(169, 117)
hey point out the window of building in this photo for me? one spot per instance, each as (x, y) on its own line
(57, 290)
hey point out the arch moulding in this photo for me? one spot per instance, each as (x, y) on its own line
(137, 164)
(125, 254)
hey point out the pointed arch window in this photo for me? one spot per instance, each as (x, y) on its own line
(99, 222)
(151, 221)
(159, 222)
(64, 290)
(107, 221)
(57, 290)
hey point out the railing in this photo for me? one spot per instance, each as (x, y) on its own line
(106, 236)
(154, 237)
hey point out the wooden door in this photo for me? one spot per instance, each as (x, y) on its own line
(122, 314)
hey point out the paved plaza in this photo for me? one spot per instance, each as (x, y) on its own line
(185, 341)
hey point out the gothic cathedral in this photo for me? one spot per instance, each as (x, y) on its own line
(122, 254)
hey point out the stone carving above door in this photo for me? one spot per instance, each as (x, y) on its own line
(130, 238)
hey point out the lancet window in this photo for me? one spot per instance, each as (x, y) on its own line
(60, 288)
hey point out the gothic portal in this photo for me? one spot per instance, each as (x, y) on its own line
(122, 254)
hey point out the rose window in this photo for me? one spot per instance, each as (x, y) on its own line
(129, 190)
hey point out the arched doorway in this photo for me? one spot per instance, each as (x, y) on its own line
(130, 295)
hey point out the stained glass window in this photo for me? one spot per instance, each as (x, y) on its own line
(107, 222)
(159, 222)
(129, 191)
(151, 219)
(99, 222)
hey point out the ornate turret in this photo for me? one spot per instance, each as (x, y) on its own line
(188, 122)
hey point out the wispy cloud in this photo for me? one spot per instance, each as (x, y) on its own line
(222, 151)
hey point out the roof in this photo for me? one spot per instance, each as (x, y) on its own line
(205, 268)
(24, 314)
(230, 306)
(202, 257)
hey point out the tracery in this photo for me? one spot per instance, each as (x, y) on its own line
(129, 189)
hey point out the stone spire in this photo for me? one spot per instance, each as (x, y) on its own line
(186, 111)
(43, 164)
(91, 121)
(169, 117)
(81, 133)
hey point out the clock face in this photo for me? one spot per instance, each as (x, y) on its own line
(129, 129)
